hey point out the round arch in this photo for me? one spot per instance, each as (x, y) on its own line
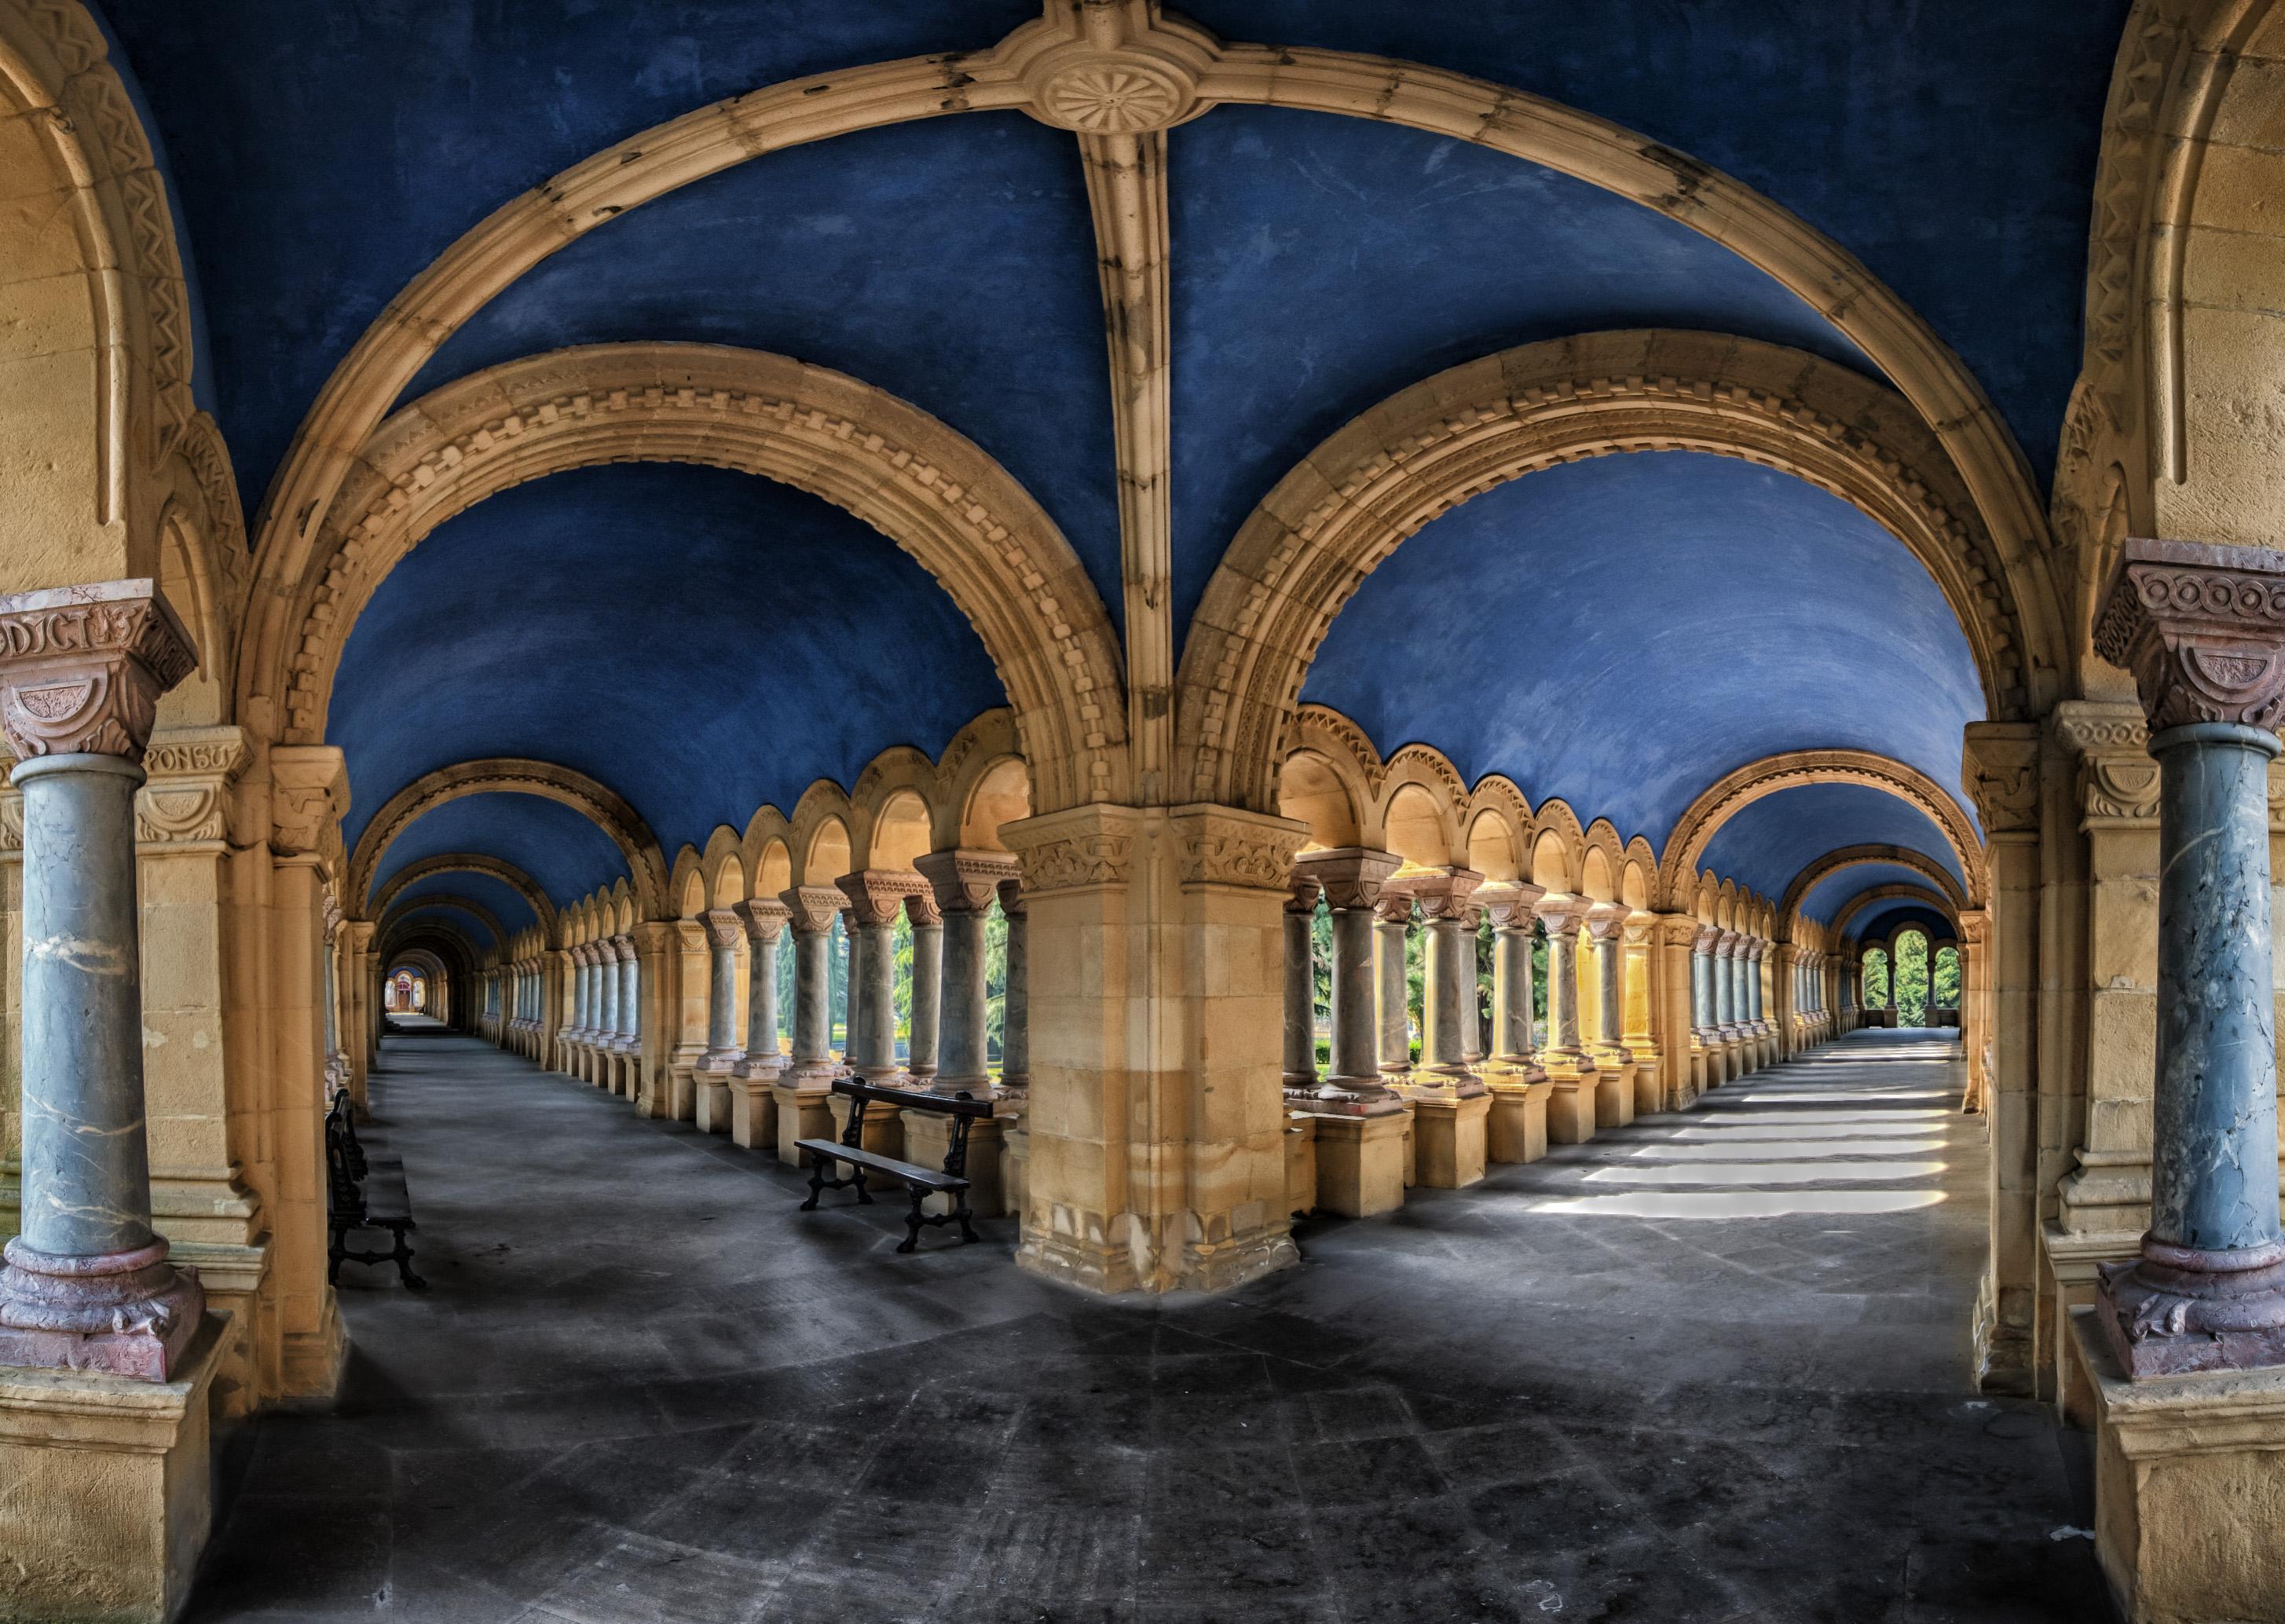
(1852, 857)
(469, 862)
(468, 906)
(1047, 68)
(513, 776)
(1925, 896)
(1330, 520)
(925, 487)
(1733, 792)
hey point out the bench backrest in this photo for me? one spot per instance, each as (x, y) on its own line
(344, 1163)
(963, 1109)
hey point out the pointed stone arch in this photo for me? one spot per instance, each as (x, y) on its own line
(1733, 792)
(930, 490)
(512, 775)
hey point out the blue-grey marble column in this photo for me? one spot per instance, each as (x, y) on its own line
(87, 1285)
(630, 1027)
(1016, 1008)
(724, 932)
(765, 921)
(1391, 994)
(1300, 1070)
(923, 1049)
(1701, 986)
(813, 989)
(1353, 877)
(2202, 629)
(965, 884)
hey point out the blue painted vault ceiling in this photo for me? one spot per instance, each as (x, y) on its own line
(504, 901)
(1827, 897)
(1774, 839)
(1622, 631)
(565, 854)
(1886, 918)
(699, 641)
(1619, 632)
(446, 913)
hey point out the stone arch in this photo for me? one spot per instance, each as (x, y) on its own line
(113, 396)
(515, 776)
(892, 808)
(1324, 527)
(982, 782)
(471, 862)
(1497, 817)
(470, 906)
(769, 858)
(1554, 860)
(722, 867)
(1035, 68)
(1420, 823)
(626, 910)
(1851, 857)
(1733, 792)
(1926, 895)
(686, 884)
(925, 487)
(821, 834)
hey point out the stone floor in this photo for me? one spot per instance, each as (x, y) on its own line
(1711, 1367)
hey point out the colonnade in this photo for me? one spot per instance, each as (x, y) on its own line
(653, 1012)
(1491, 1090)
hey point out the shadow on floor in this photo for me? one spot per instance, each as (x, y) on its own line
(1711, 1367)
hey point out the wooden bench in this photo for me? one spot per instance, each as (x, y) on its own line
(365, 1193)
(951, 1181)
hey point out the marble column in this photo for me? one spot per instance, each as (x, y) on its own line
(724, 931)
(1015, 1001)
(1449, 1102)
(1352, 878)
(87, 1285)
(753, 1105)
(1701, 984)
(1636, 939)
(1392, 928)
(876, 896)
(1300, 1068)
(606, 992)
(629, 1037)
(1571, 1111)
(852, 990)
(803, 1087)
(1614, 1099)
(1471, 1007)
(2202, 629)
(1515, 1131)
(927, 922)
(964, 884)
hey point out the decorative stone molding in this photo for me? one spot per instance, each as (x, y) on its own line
(512, 775)
(1733, 792)
(930, 489)
(876, 896)
(1079, 849)
(82, 667)
(2202, 628)
(1606, 920)
(966, 882)
(1332, 518)
(1351, 876)
(1562, 914)
(1302, 895)
(1221, 846)
(1445, 893)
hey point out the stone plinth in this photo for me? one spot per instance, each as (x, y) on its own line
(2189, 1488)
(1516, 1130)
(928, 1140)
(1449, 1139)
(104, 1484)
(753, 1111)
(1361, 1163)
(804, 1112)
(884, 1130)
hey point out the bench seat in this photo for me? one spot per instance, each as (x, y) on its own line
(950, 1181)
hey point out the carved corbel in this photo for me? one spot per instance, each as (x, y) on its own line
(309, 792)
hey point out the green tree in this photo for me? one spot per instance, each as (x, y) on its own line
(1947, 979)
(1912, 979)
(1876, 978)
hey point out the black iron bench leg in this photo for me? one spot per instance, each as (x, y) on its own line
(963, 1212)
(864, 1195)
(816, 1183)
(403, 1258)
(914, 1220)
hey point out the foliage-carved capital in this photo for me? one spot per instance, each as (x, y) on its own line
(82, 667)
(965, 881)
(1352, 875)
(1223, 846)
(2202, 631)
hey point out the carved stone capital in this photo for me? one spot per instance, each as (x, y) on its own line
(876, 896)
(1393, 904)
(1725, 944)
(1082, 848)
(309, 792)
(1011, 899)
(1301, 895)
(82, 667)
(965, 881)
(724, 929)
(1562, 914)
(1704, 938)
(1445, 893)
(1352, 875)
(1674, 930)
(187, 802)
(2202, 628)
(1510, 903)
(1223, 846)
(810, 909)
(1639, 929)
(2000, 764)
(762, 918)
(623, 948)
(1605, 920)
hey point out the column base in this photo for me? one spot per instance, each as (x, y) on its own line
(2177, 1311)
(1078, 1250)
(109, 1486)
(753, 1111)
(711, 1106)
(803, 1113)
(1615, 1098)
(1571, 1105)
(2189, 1472)
(1301, 1163)
(132, 1314)
(1360, 1160)
(1516, 1130)
(1448, 1138)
